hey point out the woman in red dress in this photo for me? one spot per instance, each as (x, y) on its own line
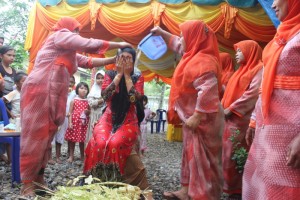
(111, 154)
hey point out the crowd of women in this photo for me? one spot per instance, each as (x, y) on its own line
(258, 110)
(254, 107)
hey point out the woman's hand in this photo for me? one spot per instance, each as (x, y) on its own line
(120, 66)
(227, 113)
(100, 102)
(157, 31)
(70, 125)
(193, 121)
(293, 153)
(87, 112)
(250, 135)
(124, 44)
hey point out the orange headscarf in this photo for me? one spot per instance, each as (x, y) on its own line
(66, 22)
(241, 79)
(227, 67)
(201, 56)
(287, 29)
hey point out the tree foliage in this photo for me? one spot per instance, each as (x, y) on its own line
(14, 18)
(154, 88)
(13, 26)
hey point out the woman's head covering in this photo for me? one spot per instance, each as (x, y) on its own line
(120, 102)
(201, 56)
(287, 29)
(227, 67)
(96, 90)
(241, 79)
(66, 22)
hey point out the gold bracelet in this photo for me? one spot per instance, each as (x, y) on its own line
(128, 81)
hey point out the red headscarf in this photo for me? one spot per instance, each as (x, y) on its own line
(241, 79)
(201, 56)
(66, 22)
(227, 67)
(287, 29)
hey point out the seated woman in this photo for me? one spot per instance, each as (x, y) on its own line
(111, 154)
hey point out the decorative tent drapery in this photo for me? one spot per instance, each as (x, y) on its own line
(132, 21)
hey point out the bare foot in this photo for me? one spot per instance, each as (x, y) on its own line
(180, 194)
(70, 160)
(51, 162)
(27, 190)
(58, 160)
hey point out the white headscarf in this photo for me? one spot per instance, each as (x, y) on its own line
(96, 90)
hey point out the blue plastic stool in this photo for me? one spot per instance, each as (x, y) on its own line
(15, 154)
(152, 124)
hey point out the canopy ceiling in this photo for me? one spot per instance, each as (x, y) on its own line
(131, 20)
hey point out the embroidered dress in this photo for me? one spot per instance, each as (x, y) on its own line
(78, 132)
(111, 144)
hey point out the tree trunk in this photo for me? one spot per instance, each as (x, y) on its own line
(162, 96)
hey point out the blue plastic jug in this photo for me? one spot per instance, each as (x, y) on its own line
(153, 46)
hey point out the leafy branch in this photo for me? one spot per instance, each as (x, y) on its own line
(240, 154)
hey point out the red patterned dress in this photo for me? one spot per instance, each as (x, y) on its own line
(108, 150)
(78, 132)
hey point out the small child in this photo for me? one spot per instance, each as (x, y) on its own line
(14, 96)
(78, 120)
(96, 103)
(148, 116)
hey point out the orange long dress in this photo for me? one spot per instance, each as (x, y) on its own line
(195, 88)
(240, 97)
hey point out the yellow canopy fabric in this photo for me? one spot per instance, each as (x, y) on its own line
(133, 21)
